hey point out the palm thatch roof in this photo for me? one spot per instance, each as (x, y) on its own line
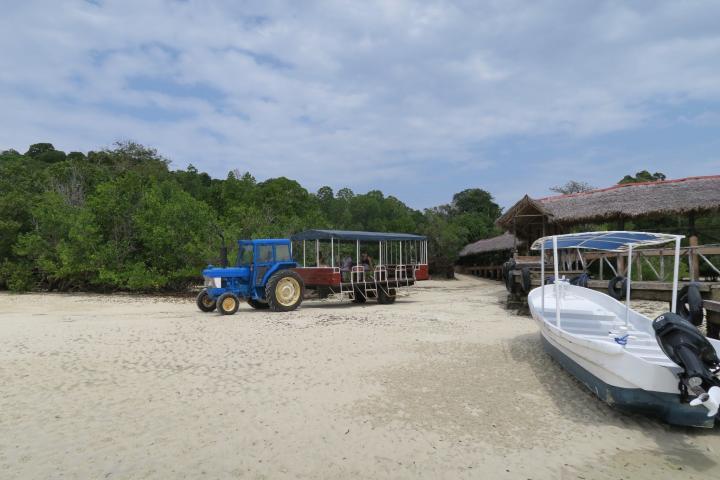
(506, 241)
(630, 200)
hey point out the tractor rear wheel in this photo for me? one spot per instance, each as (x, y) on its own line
(284, 291)
(204, 302)
(257, 304)
(228, 303)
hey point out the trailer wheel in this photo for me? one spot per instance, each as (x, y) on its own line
(689, 304)
(359, 296)
(228, 303)
(386, 298)
(204, 302)
(284, 291)
(257, 304)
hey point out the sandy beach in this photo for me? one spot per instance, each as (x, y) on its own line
(446, 383)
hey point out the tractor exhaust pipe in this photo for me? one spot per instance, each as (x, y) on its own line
(223, 256)
(223, 249)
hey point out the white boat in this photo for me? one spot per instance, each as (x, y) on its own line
(663, 367)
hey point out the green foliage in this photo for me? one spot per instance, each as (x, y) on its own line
(643, 176)
(119, 219)
(471, 216)
(445, 239)
(476, 211)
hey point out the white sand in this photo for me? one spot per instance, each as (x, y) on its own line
(444, 384)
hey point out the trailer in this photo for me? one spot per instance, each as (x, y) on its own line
(331, 263)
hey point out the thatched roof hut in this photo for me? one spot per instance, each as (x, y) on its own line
(531, 218)
(506, 241)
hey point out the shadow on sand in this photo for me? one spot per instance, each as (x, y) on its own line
(578, 403)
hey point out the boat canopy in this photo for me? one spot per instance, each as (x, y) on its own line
(606, 241)
(355, 235)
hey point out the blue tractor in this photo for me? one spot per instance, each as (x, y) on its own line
(263, 276)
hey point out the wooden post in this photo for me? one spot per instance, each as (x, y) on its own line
(602, 262)
(620, 264)
(638, 266)
(662, 266)
(694, 259)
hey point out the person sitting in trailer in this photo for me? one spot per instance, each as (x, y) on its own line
(346, 267)
(367, 263)
(321, 261)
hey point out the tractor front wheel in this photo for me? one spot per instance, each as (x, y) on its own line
(228, 303)
(284, 291)
(204, 302)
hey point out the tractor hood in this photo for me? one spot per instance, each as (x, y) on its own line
(215, 272)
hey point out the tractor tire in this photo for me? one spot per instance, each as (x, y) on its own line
(228, 303)
(204, 302)
(386, 298)
(284, 291)
(257, 304)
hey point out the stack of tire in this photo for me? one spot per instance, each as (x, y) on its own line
(689, 303)
(507, 269)
(510, 286)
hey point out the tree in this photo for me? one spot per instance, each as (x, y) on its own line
(45, 152)
(325, 195)
(119, 218)
(37, 149)
(475, 211)
(643, 176)
(475, 200)
(572, 186)
(445, 239)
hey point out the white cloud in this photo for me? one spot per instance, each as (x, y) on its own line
(344, 92)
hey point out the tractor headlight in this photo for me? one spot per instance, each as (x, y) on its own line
(213, 282)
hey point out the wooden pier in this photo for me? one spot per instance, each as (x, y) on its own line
(655, 286)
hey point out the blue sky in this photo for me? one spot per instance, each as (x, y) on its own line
(418, 99)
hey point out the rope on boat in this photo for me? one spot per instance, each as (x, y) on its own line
(622, 340)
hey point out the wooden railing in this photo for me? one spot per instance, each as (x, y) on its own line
(484, 271)
(662, 270)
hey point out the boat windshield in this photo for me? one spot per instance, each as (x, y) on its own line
(608, 242)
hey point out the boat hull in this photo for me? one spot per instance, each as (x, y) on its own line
(663, 405)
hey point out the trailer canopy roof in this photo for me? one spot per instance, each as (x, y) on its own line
(606, 241)
(355, 235)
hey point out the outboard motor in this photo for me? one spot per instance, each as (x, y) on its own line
(686, 346)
